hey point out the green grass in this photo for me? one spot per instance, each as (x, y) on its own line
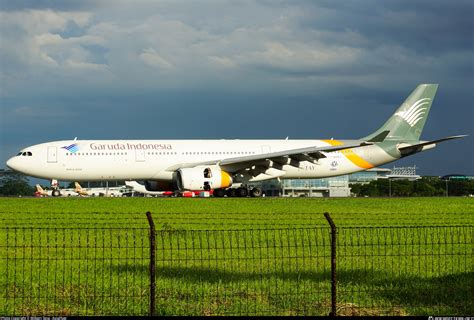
(237, 213)
(236, 256)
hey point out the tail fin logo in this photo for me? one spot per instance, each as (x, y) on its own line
(71, 148)
(415, 113)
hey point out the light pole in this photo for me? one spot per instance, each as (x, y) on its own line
(447, 195)
(389, 187)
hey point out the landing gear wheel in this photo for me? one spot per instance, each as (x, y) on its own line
(231, 193)
(56, 193)
(219, 193)
(207, 187)
(256, 192)
(242, 192)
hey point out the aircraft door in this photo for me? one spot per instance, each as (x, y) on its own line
(52, 154)
(139, 155)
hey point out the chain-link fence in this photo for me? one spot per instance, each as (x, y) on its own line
(272, 271)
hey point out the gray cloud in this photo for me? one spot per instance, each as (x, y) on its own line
(304, 69)
(19, 5)
(424, 25)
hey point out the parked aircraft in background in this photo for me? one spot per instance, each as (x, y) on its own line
(79, 191)
(137, 187)
(40, 192)
(141, 189)
(231, 166)
(99, 192)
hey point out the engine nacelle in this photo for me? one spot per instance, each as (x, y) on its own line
(203, 178)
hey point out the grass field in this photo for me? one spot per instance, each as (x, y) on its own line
(236, 213)
(236, 256)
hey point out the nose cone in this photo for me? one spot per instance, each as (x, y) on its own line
(12, 163)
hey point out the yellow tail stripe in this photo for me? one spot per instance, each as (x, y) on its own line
(350, 155)
(355, 159)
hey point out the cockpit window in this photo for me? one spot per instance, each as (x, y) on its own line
(25, 154)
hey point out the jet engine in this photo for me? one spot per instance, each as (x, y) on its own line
(203, 178)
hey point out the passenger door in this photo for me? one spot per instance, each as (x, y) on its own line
(52, 154)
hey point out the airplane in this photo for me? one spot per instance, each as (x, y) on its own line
(98, 192)
(40, 192)
(81, 192)
(229, 167)
(137, 187)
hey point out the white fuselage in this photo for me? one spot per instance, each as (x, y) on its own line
(95, 160)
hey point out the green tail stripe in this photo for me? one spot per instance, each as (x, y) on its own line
(407, 123)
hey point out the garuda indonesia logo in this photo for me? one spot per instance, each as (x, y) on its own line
(71, 148)
(415, 113)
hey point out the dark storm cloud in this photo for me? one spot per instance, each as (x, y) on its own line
(17, 5)
(265, 69)
(425, 25)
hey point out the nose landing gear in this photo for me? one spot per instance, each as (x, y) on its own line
(55, 187)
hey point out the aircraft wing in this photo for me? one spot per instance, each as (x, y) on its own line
(277, 159)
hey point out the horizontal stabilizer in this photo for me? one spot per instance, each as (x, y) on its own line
(380, 137)
(405, 151)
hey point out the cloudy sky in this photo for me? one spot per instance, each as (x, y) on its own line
(237, 69)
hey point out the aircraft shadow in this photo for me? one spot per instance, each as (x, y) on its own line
(451, 294)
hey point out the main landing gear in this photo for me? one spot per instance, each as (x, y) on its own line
(241, 192)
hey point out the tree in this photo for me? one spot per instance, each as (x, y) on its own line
(425, 187)
(14, 184)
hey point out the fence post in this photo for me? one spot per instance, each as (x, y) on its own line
(152, 268)
(333, 264)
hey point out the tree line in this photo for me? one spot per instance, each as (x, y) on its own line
(14, 184)
(424, 187)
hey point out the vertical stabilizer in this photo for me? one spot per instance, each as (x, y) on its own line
(78, 187)
(407, 123)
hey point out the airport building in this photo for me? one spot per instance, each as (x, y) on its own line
(325, 187)
(369, 175)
